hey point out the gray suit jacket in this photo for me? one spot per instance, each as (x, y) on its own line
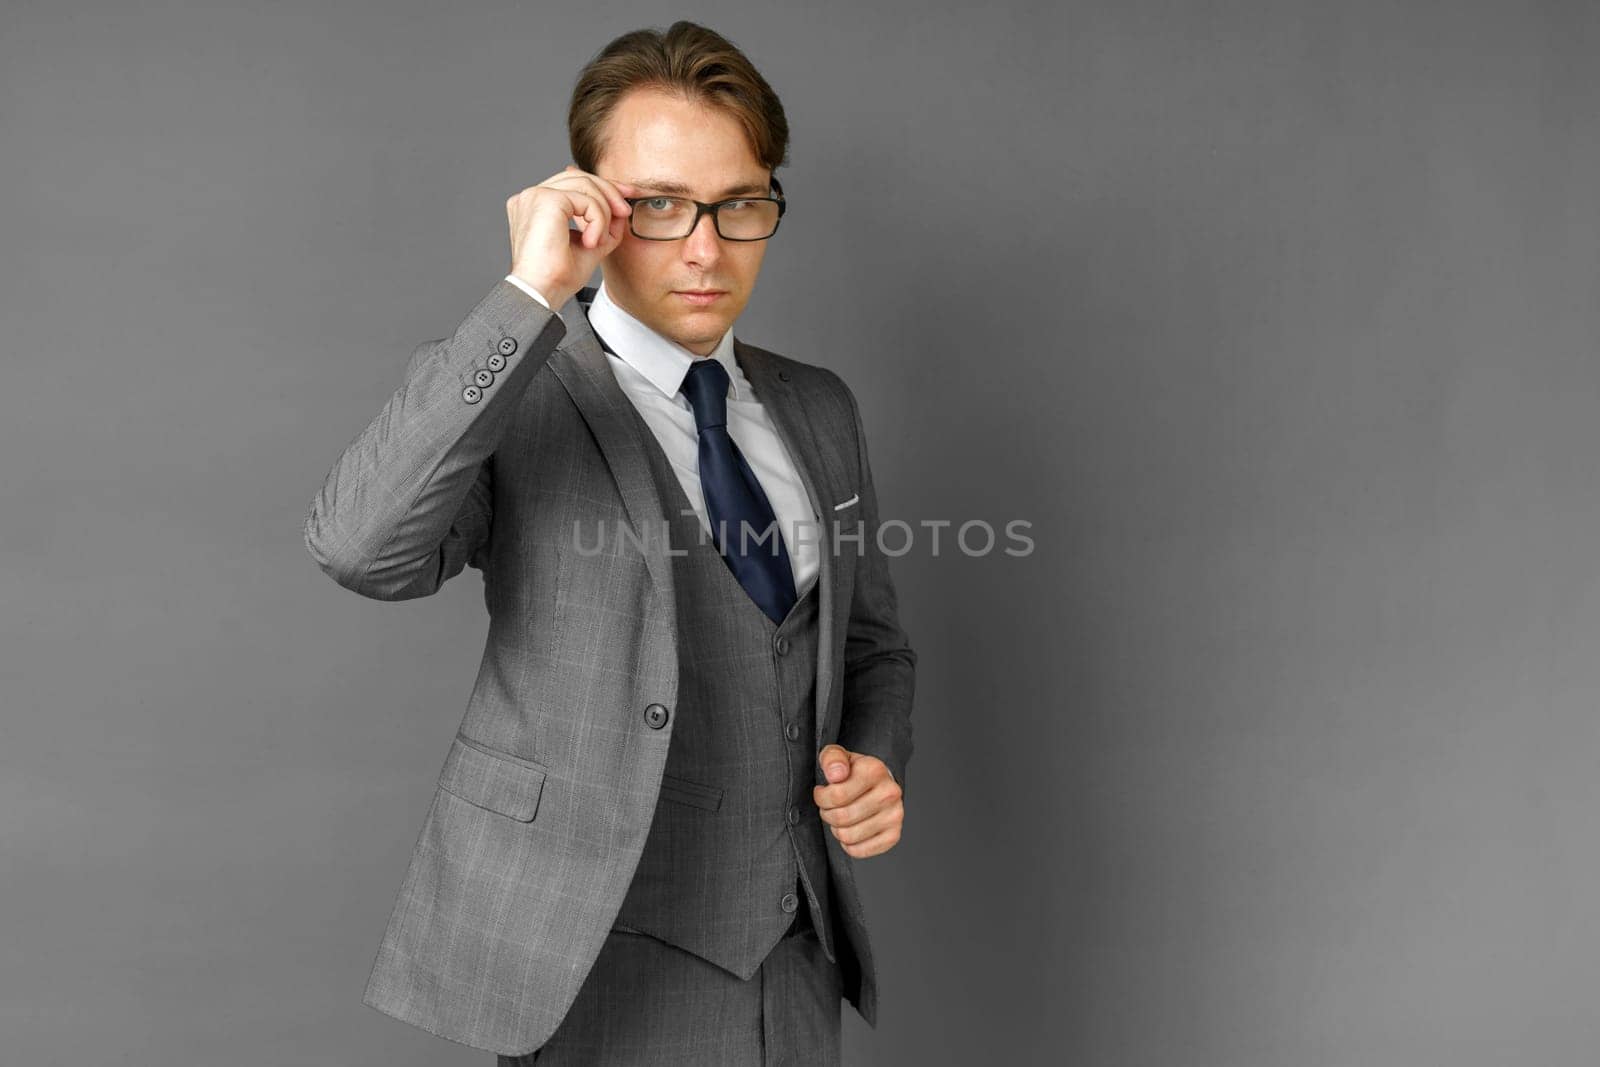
(498, 440)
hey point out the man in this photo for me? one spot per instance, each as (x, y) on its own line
(641, 845)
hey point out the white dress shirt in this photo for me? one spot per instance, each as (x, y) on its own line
(650, 369)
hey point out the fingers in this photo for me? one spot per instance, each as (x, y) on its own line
(597, 219)
(606, 192)
(593, 213)
(872, 846)
(865, 774)
(835, 762)
(597, 204)
(878, 833)
(863, 818)
(613, 189)
(877, 797)
(841, 794)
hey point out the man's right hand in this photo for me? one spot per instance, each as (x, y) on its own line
(549, 255)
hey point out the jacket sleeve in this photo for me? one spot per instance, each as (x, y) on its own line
(879, 663)
(409, 502)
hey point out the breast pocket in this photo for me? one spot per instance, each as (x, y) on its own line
(489, 778)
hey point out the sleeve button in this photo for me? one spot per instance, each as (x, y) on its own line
(472, 394)
(497, 363)
(483, 378)
(508, 345)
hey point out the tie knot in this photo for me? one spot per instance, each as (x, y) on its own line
(706, 386)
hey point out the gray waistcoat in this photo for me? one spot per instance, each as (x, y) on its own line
(736, 844)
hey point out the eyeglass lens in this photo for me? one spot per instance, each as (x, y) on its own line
(669, 217)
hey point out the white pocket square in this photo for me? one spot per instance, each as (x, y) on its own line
(844, 504)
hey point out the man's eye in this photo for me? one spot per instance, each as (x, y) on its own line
(658, 203)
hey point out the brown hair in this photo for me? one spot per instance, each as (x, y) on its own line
(689, 60)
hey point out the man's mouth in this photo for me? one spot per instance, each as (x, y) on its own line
(700, 297)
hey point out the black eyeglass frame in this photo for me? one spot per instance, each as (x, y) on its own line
(701, 208)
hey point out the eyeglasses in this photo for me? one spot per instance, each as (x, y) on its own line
(672, 218)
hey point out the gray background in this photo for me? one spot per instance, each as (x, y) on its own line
(1276, 319)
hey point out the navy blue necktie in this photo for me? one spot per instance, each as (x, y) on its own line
(733, 496)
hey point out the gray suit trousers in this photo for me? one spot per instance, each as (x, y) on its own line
(646, 1002)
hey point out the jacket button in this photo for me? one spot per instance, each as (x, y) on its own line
(789, 902)
(472, 394)
(655, 716)
(792, 731)
(783, 646)
(508, 345)
(496, 363)
(484, 378)
(794, 814)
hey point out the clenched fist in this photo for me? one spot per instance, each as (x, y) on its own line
(545, 251)
(861, 802)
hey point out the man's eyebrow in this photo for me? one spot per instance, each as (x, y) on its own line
(680, 189)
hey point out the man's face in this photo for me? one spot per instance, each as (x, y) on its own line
(666, 145)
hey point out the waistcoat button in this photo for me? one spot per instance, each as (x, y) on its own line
(794, 814)
(792, 731)
(655, 716)
(783, 646)
(789, 902)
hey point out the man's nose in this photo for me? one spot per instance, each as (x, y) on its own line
(703, 243)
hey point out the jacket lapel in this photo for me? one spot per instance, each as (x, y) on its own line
(786, 405)
(580, 365)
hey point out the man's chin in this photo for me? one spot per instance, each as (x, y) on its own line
(703, 326)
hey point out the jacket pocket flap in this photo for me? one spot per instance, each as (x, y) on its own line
(489, 778)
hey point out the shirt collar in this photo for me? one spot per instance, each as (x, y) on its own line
(663, 362)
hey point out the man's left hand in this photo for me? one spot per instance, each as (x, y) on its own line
(861, 802)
